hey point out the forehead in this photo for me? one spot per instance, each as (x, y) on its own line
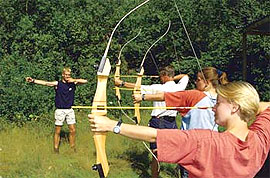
(66, 73)
(199, 75)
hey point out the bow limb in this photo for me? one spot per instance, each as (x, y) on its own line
(100, 99)
(137, 88)
(110, 39)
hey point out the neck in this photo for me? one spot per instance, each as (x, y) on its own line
(238, 128)
(212, 92)
(170, 79)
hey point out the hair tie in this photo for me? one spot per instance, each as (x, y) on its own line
(219, 72)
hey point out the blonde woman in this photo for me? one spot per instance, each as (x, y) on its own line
(239, 152)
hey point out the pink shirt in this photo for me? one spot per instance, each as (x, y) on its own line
(205, 153)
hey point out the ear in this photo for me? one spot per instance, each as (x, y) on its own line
(207, 84)
(235, 108)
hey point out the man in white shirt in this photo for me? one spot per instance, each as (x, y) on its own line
(161, 118)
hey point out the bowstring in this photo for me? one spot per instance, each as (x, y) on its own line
(191, 45)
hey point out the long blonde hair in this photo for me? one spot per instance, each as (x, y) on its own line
(243, 94)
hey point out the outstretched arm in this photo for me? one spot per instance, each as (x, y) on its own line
(104, 124)
(180, 76)
(149, 97)
(121, 83)
(76, 81)
(41, 82)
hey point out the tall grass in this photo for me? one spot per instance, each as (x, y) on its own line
(27, 151)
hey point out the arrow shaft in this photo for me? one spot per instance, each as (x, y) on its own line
(142, 107)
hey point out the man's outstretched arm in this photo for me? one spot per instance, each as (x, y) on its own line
(77, 81)
(41, 82)
(149, 97)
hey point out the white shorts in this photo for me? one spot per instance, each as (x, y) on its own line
(61, 115)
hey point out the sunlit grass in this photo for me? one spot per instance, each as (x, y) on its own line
(28, 152)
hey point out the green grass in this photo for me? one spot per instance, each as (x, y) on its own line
(27, 151)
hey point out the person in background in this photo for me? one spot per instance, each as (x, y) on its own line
(161, 118)
(64, 99)
(204, 96)
(240, 151)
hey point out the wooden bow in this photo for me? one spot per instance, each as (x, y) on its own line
(137, 88)
(100, 99)
(117, 68)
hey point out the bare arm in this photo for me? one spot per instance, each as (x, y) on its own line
(149, 97)
(77, 81)
(104, 124)
(121, 83)
(178, 77)
(41, 82)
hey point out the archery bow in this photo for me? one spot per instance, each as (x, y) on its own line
(117, 68)
(117, 75)
(102, 165)
(137, 91)
(137, 88)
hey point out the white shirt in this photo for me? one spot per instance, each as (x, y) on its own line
(169, 86)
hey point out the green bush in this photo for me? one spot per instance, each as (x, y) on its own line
(39, 38)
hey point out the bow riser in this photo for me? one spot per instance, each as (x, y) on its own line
(116, 77)
(100, 99)
(137, 91)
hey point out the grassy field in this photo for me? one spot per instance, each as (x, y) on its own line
(27, 151)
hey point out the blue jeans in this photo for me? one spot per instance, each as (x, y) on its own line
(162, 123)
(184, 172)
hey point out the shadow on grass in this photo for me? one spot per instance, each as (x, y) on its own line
(139, 162)
(171, 170)
(64, 136)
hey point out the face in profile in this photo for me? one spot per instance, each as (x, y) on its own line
(222, 110)
(163, 79)
(200, 83)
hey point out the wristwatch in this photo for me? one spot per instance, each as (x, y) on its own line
(117, 129)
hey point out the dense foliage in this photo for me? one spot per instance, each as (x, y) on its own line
(39, 37)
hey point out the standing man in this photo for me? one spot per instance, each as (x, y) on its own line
(64, 99)
(161, 118)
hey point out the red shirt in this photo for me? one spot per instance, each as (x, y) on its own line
(209, 154)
